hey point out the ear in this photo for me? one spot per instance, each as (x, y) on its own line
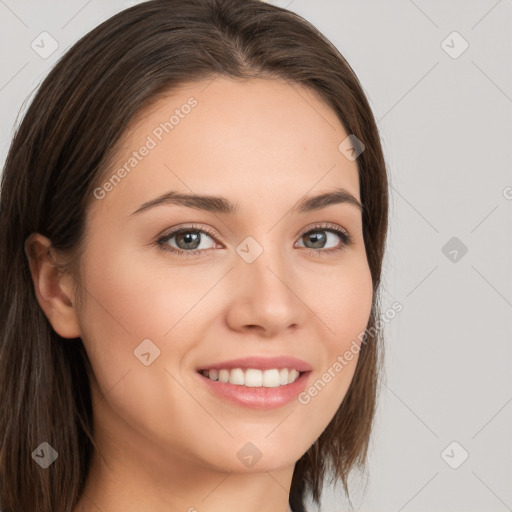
(54, 290)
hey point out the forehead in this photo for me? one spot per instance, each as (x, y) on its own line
(257, 138)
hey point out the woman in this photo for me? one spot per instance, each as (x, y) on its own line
(193, 221)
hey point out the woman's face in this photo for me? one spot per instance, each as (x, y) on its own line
(251, 283)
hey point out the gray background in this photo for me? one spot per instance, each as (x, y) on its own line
(446, 125)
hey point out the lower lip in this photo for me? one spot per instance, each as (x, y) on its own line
(257, 398)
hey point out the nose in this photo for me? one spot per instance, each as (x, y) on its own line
(265, 295)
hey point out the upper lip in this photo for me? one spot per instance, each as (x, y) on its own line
(261, 363)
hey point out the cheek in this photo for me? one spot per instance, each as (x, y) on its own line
(342, 301)
(128, 301)
(138, 293)
(345, 311)
(130, 298)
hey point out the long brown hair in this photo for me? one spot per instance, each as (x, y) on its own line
(59, 154)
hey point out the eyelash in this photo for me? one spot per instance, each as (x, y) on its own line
(345, 237)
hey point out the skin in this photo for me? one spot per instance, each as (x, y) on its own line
(165, 442)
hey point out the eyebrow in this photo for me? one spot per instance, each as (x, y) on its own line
(217, 204)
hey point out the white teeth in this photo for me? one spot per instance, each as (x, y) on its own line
(271, 378)
(292, 376)
(254, 378)
(236, 377)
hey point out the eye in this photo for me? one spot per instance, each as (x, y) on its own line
(195, 241)
(187, 240)
(323, 237)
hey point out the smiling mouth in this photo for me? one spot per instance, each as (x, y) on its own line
(253, 377)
